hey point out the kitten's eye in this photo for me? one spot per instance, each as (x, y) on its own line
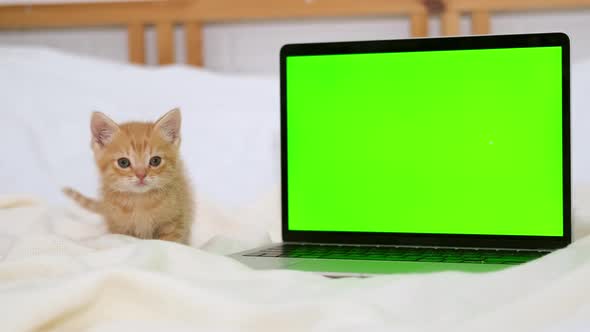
(123, 162)
(155, 161)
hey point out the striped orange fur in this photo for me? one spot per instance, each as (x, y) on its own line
(85, 202)
(147, 195)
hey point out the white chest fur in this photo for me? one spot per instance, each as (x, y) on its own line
(142, 224)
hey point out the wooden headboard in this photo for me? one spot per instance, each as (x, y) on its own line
(481, 11)
(193, 14)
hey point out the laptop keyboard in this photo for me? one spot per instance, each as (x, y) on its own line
(447, 255)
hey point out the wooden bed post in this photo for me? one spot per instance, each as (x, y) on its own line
(194, 43)
(419, 25)
(480, 22)
(450, 21)
(136, 43)
(165, 41)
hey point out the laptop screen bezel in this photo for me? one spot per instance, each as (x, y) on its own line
(431, 44)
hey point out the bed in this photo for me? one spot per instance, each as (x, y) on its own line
(61, 271)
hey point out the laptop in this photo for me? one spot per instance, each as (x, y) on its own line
(421, 155)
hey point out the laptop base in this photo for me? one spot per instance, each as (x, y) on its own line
(356, 268)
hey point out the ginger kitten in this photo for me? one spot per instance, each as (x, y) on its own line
(144, 192)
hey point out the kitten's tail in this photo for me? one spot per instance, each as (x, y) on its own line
(85, 202)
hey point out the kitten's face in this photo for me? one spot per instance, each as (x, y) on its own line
(136, 157)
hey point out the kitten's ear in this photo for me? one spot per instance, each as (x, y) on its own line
(169, 126)
(103, 129)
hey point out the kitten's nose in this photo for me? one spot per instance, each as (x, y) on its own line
(140, 174)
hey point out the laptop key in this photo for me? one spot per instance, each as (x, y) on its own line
(412, 258)
(431, 259)
(495, 260)
(453, 260)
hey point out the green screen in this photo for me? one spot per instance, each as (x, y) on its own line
(446, 142)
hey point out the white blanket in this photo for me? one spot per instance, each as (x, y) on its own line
(60, 270)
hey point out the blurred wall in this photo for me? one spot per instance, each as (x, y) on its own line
(253, 47)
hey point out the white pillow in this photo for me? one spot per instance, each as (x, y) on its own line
(230, 123)
(580, 86)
